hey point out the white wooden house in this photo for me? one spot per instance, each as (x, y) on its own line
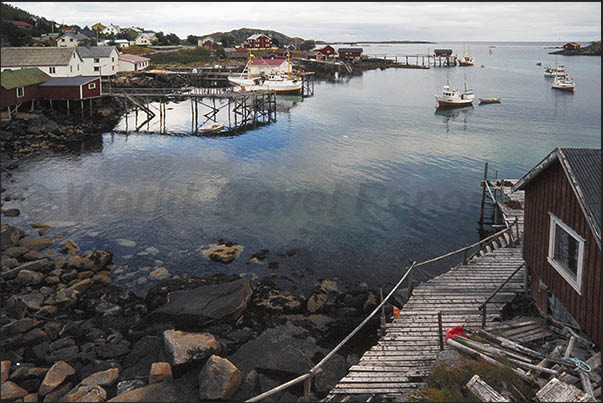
(111, 29)
(56, 62)
(70, 40)
(261, 66)
(132, 62)
(99, 60)
(144, 39)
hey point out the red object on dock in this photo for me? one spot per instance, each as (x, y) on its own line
(455, 330)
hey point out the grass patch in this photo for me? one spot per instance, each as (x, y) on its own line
(446, 384)
(135, 50)
(183, 57)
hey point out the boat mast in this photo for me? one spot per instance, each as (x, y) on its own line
(465, 81)
(289, 65)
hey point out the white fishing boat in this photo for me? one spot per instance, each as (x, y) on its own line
(564, 84)
(451, 98)
(559, 71)
(281, 84)
(467, 60)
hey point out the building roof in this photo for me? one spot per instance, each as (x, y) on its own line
(583, 169)
(68, 81)
(349, 50)
(79, 37)
(133, 58)
(270, 62)
(20, 23)
(256, 36)
(35, 56)
(94, 51)
(10, 79)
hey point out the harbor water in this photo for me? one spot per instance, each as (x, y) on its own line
(350, 184)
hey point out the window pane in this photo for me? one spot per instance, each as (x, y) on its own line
(566, 250)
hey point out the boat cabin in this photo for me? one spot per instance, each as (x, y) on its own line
(562, 236)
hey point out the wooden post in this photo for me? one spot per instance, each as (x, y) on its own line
(307, 389)
(483, 316)
(440, 335)
(481, 213)
(465, 256)
(570, 347)
(382, 309)
(483, 391)
(90, 107)
(8, 108)
(82, 108)
(67, 107)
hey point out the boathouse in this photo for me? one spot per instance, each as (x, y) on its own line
(20, 86)
(349, 53)
(71, 88)
(442, 52)
(328, 51)
(562, 236)
(571, 46)
(258, 41)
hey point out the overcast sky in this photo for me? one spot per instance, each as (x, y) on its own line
(499, 21)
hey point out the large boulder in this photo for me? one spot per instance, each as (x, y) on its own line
(10, 236)
(202, 305)
(144, 353)
(55, 376)
(184, 348)
(166, 391)
(283, 348)
(11, 391)
(219, 379)
(90, 261)
(35, 243)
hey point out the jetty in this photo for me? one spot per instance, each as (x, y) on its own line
(472, 294)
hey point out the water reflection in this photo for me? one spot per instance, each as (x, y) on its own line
(452, 114)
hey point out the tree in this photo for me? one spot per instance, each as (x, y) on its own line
(160, 38)
(307, 45)
(172, 39)
(276, 43)
(14, 36)
(228, 40)
(192, 39)
(220, 52)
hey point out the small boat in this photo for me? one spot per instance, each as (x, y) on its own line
(467, 60)
(211, 129)
(489, 101)
(538, 64)
(482, 66)
(562, 83)
(453, 98)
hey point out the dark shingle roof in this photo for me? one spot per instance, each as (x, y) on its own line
(68, 81)
(583, 169)
(10, 79)
(94, 51)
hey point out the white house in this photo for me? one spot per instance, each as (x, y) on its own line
(144, 39)
(111, 29)
(261, 66)
(70, 40)
(99, 60)
(132, 62)
(122, 43)
(56, 62)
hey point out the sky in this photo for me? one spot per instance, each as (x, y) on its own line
(348, 21)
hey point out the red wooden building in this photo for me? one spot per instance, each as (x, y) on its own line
(72, 88)
(571, 46)
(258, 41)
(20, 86)
(349, 53)
(562, 236)
(442, 52)
(20, 24)
(328, 51)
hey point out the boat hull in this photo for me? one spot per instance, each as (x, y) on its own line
(454, 104)
(569, 89)
(465, 63)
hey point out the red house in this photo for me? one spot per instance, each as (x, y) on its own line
(328, 51)
(71, 88)
(571, 46)
(20, 86)
(349, 53)
(442, 52)
(562, 236)
(20, 24)
(258, 41)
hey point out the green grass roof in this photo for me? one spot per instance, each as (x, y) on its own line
(10, 79)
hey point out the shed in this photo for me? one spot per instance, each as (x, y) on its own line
(71, 88)
(20, 24)
(129, 62)
(328, 51)
(70, 40)
(571, 45)
(442, 52)
(20, 86)
(349, 53)
(562, 235)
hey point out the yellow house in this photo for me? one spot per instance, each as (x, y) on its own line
(98, 27)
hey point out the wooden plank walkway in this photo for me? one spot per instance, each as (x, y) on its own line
(405, 354)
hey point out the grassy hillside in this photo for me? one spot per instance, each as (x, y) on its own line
(238, 36)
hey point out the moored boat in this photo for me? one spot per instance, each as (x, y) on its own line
(564, 84)
(211, 128)
(451, 98)
(489, 101)
(286, 85)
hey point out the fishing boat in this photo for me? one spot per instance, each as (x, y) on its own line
(564, 84)
(489, 101)
(467, 60)
(211, 128)
(281, 84)
(558, 71)
(453, 98)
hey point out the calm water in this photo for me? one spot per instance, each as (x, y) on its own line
(356, 179)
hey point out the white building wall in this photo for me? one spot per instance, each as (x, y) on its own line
(67, 42)
(130, 66)
(108, 66)
(266, 69)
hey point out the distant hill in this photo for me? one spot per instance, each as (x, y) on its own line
(238, 36)
(594, 49)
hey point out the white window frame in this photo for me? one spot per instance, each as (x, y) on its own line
(20, 90)
(576, 283)
(91, 86)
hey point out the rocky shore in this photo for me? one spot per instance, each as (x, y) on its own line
(70, 334)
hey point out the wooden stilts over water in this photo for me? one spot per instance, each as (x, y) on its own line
(472, 295)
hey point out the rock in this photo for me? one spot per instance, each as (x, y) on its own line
(105, 111)
(66, 297)
(32, 300)
(37, 265)
(10, 236)
(152, 250)
(11, 391)
(113, 350)
(160, 273)
(225, 253)
(65, 354)
(450, 358)
(90, 261)
(107, 309)
(370, 303)
(55, 376)
(17, 327)
(85, 393)
(15, 308)
(352, 359)
(167, 391)
(103, 378)
(27, 277)
(82, 285)
(160, 371)
(35, 243)
(31, 398)
(70, 247)
(219, 379)
(225, 302)
(4, 369)
(145, 352)
(32, 255)
(283, 348)
(126, 242)
(61, 343)
(126, 386)
(329, 375)
(9, 263)
(12, 212)
(316, 302)
(16, 251)
(182, 348)
(57, 394)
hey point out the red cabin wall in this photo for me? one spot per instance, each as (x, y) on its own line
(9, 97)
(552, 191)
(89, 93)
(60, 92)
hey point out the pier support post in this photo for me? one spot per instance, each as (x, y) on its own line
(481, 211)
(440, 335)
(483, 307)
(67, 107)
(307, 389)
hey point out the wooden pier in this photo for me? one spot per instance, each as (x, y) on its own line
(420, 60)
(472, 295)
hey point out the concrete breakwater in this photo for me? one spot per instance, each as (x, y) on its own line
(71, 333)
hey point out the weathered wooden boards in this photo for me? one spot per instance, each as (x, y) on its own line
(557, 391)
(406, 353)
(483, 391)
(520, 330)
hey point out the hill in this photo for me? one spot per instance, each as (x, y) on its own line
(238, 36)
(13, 36)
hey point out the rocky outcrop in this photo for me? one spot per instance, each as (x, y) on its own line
(219, 379)
(184, 348)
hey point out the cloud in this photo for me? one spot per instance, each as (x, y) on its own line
(439, 21)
